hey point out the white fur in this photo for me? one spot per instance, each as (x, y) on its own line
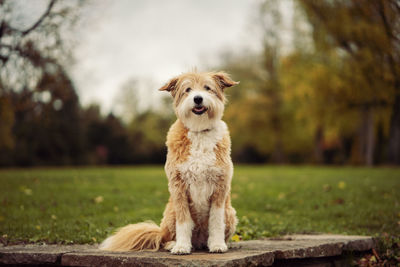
(183, 243)
(197, 123)
(106, 243)
(200, 173)
(216, 230)
(199, 170)
(170, 245)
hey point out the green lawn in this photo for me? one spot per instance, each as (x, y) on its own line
(83, 205)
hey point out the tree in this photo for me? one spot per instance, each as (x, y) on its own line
(126, 102)
(40, 100)
(369, 37)
(7, 141)
(23, 50)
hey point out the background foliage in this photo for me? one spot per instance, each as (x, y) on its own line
(332, 96)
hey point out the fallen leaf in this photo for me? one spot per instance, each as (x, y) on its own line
(236, 238)
(372, 259)
(98, 199)
(326, 187)
(342, 185)
(339, 201)
(376, 254)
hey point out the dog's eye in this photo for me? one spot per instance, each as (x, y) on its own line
(188, 89)
(207, 88)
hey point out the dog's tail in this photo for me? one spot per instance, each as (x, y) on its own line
(140, 236)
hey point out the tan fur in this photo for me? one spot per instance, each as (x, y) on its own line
(218, 82)
(179, 197)
(222, 149)
(182, 206)
(178, 143)
(230, 218)
(140, 236)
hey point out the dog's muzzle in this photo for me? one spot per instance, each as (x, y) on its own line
(198, 108)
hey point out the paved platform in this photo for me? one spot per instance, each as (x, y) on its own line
(296, 250)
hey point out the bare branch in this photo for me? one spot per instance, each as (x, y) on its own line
(39, 21)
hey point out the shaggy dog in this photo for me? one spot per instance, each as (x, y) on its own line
(199, 170)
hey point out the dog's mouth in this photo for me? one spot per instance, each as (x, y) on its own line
(199, 109)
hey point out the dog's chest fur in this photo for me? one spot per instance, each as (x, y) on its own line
(200, 171)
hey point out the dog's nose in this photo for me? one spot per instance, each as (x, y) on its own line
(198, 99)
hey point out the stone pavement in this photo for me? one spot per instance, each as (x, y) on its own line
(295, 250)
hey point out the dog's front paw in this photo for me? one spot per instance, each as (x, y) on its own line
(181, 249)
(218, 248)
(170, 245)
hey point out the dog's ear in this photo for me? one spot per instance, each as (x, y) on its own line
(223, 80)
(170, 86)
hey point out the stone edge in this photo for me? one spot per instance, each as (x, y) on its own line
(75, 257)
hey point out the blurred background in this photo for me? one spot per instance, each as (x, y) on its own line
(319, 80)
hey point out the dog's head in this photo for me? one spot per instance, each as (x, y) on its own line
(199, 98)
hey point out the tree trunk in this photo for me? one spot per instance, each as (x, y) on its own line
(370, 139)
(367, 138)
(318, 142)
(394, 135)
(277, 154)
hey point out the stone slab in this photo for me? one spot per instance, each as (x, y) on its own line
(310, 246)
(202, 258)
(36, 254)
(244, 253)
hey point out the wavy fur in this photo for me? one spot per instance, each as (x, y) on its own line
(199, 169)
(133, 237)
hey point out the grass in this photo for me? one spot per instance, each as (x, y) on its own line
(83, 205)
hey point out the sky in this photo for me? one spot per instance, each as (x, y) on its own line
(152, 41)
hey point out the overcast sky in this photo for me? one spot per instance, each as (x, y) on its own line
(150, 40)
(154, 40)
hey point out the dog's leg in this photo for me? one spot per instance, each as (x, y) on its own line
(183, 238)
(184, 222)
(216, 230)
(230, 219)
(216, 225)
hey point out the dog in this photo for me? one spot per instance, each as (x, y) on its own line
(199, 168)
